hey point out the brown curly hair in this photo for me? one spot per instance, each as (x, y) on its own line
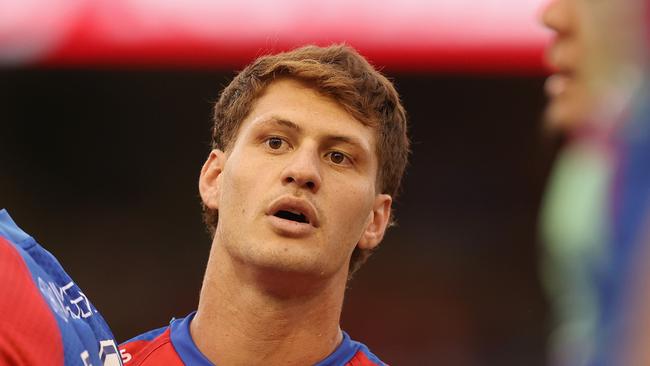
(337, 71)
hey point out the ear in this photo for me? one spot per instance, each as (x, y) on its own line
(209, 180)
(377, 222)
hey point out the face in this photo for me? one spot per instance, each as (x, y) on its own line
(296, 190)
(593, 54)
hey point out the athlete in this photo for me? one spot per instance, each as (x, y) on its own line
(597, 205)
(309, 148)
(45, 318)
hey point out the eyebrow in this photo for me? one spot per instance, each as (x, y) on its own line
(346, 140)
(282, 122)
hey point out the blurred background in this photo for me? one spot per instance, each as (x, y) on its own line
(105, 112)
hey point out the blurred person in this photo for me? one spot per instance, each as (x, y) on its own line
(598, 197)
(45, 318)
(309, 148)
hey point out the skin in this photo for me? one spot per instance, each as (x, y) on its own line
(273, 289)
(595, 57)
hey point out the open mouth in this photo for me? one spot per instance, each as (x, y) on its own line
(294, 209)
(293, 216)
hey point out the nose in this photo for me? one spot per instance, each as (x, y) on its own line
(556, 16)
(303, 169)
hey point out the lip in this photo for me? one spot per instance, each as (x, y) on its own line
(562, 72)
(560, 54)
(294, 204)
(557, 83)
(289, 228)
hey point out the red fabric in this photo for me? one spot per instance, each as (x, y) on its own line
(29, 334)
(158, 351)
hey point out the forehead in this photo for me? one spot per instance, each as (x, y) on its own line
(315, 113)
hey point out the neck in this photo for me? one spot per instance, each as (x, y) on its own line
(245, 318)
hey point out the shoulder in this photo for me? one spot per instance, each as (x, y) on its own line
(151, 348)
(28, 331)
(169, 346)
(14, 274)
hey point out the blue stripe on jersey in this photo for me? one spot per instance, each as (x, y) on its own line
(184, 344)
(10, 230)
(342, 354)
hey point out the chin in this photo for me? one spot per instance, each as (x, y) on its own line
(562, 115)
(289, 277)
(291, 259)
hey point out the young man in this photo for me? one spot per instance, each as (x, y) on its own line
(598, 200)
(309, 148)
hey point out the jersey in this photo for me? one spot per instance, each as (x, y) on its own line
(173, 346)
(596, 223)
(45, 318)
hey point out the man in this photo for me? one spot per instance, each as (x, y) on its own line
(594, 208)
(45, 318)
(309, 148)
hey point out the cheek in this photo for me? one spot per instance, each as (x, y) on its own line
(352, 204)
(241, 188)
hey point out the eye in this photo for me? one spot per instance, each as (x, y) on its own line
(338, 158)
(274, 143)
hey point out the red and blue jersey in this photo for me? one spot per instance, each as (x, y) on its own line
(45, 318)
(173, 346)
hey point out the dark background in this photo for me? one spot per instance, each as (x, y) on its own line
(101, 167)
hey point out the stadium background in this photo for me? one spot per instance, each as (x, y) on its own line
(100, 154)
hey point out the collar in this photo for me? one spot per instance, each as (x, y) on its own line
(184, 344)
(188, 351)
